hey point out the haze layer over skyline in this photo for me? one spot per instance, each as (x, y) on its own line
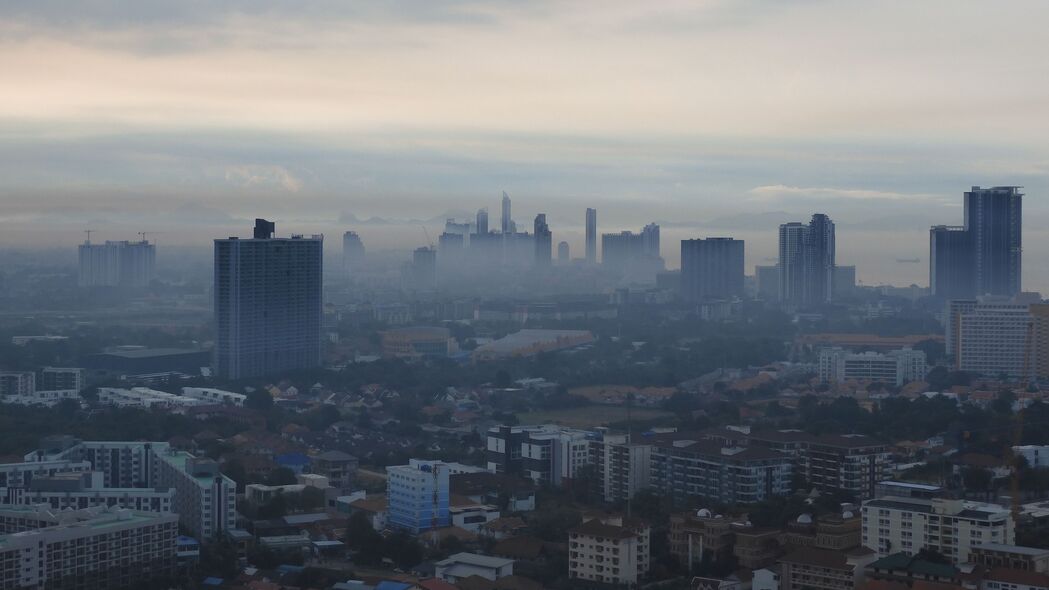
(723, 118)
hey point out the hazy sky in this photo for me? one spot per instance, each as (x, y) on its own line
(722, 118)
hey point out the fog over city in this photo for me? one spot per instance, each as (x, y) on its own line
(524, 295)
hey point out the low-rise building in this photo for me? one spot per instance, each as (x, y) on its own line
(418, 341)
(144, 397)
(612, 551)
(896, 367)
(823, 569)
(215, 396)
(1035, 455)
(340, 468)
(460, 566)
(417, 496)
(992, 555)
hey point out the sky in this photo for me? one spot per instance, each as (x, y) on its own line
(710, 117)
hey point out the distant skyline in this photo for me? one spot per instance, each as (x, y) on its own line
(720, 118)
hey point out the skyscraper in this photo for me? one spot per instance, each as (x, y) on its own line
(482, 221)
(951, 263)
(711, 269)
(983, 257)
(267, 303)
(591, 236)
(806, 261)
(792, 262)
(424, 268)
(650, 241)
(116, 264)
(562, 252)
(507, 225)
(543, 240)
(352, 250)
(993, 218)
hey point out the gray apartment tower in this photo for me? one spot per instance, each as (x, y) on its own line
(352, 250)
(116, 264)
(591, 236)
(982, 257)
(544, 241)
(806, 262)
(267, 303)
(711, 269)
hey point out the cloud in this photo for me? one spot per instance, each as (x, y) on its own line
(780, 191)
(263, 176)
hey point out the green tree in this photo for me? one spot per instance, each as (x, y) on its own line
(259, 400)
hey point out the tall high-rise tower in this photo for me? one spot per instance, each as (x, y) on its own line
(507, 221)
(711, 269)
(993, 219)
(543, 241)
(352, 250)
(792, 238)
(482, 221)
(116, 264)
(591, 236)
(267, 303)
(951, 263)
(806, 261)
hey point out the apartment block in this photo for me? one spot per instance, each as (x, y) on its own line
(60, 379)
(732, 474)
(612, 551)
(623, 467)
(851, 462)
(417, 496)
(951, 527)
(545, 454)
(823, 569)
(93, 549)
(16, 477)
(21, 383)
(80, 490)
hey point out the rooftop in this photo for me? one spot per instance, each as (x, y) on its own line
(476, 560)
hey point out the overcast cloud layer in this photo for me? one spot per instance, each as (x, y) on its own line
(714, 118)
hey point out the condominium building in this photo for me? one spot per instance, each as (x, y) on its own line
(545, 453)
(711, 269)
(951, 527)
(612, 550)
(851, 462)
(990, 336)
(267, 304)
(682, 468)
(806, 261)
(91, 549)
(116, 264)
(417, 496)
(623, 467)
(17, 383)
(896, 367)
(16, 477)
(60, 379)
(79, 490)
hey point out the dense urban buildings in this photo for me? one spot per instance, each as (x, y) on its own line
(267, 303)
(117, 264)
(711, 269)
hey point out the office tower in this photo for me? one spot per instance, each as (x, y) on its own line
(806, 261)
(591, 236)
(951, 263)
(650, 241)
(543, 241)
(352, 250)
(844, 280)
(767, 279)
(507, 222)
(562, 252)
(711, 269)
(482, 221)
(819, 259)
(792, 238)
(267, 304)
(417, 496)
(116, 264)
(991, 336)
(424, 268)
(993, 218)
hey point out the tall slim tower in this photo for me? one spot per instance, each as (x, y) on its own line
(543, 241)
(482, 221)
(951, 263)
(267, 303)
(507, 225)
(993, 219)
(819, 260)
(792, 238)
(591, 236)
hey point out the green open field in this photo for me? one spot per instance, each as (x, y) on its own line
(590, 416)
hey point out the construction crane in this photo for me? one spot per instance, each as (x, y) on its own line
(89, 232)
(145, 235)
(429, 240)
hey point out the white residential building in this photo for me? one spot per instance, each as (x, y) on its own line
(18, 476)
(951, 527)
(144, 397)
(215, 396)
(611, 551)
(623, 467)
(93, 549)
(1036, 455)
(988, 336)
(85, 490)
(896, 367)
(17, 383)
(463, 565)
